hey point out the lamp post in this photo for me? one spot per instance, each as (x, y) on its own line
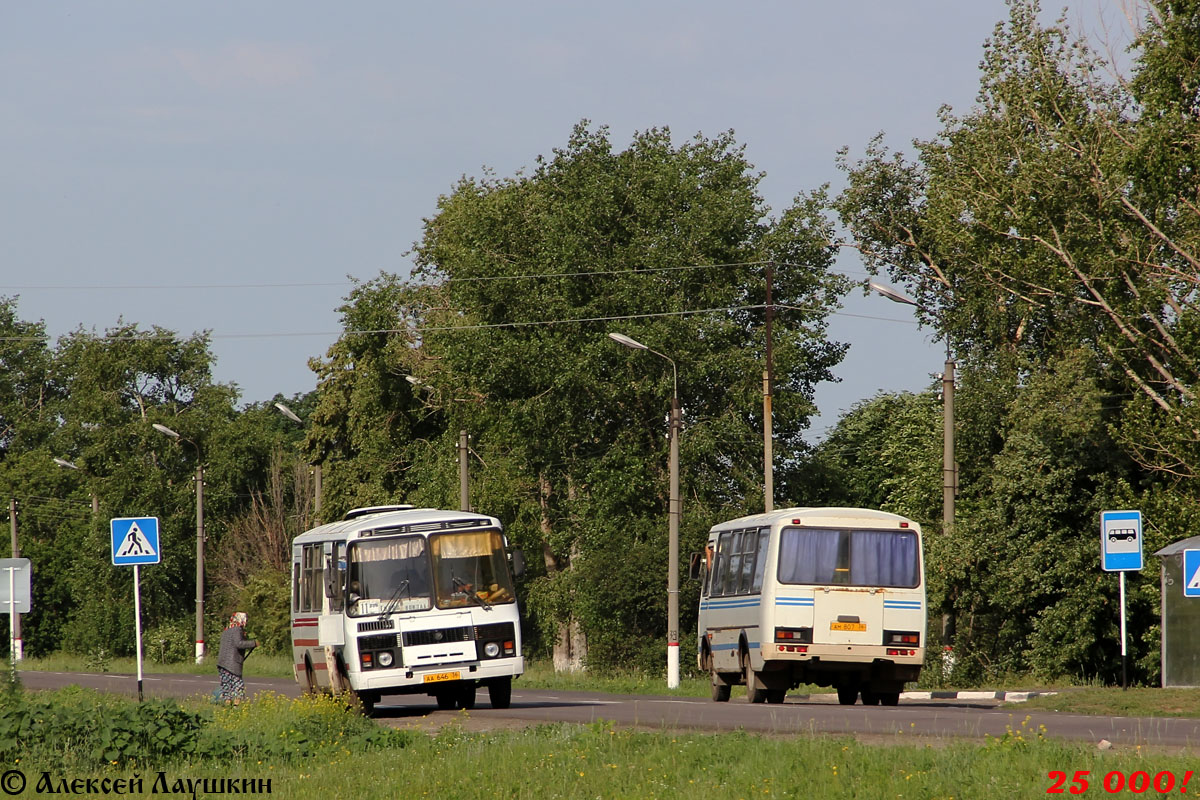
(673, 516)
(165, 431)
(949, 468)
(287, 412)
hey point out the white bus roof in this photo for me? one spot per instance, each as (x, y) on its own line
(376, 517)
(812, 515)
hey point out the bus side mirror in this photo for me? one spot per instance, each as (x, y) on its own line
(518, 562)
(694, 566)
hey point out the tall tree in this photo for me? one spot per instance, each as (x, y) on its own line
(667, 244)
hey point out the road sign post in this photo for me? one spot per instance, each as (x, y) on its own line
(135, 542)
(16, 601)
(1121, 552)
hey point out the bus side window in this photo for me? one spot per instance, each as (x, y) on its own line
(720, 579)
(749, 548)
(310, 578)
(734, 571)
(760, 561)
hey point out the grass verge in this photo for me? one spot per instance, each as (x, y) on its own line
(313, 747)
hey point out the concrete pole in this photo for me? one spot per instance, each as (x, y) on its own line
(768, 447)
(15, 643)
(949, 473)
(464, 500)
(199, 563)
(673, 555)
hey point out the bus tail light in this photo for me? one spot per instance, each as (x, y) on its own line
(902, 638)
(793, 635)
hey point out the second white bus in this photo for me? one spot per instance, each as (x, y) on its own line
(827, 596)
(401, 600)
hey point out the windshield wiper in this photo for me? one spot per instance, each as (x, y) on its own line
(395, 599)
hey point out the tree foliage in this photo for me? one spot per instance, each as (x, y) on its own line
(1051, 234)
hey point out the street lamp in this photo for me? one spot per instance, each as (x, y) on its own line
(949, 468)
(673, 516)
(287, 412)
(165, 431)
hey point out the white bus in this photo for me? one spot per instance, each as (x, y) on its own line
(828, 596)
(401, 600)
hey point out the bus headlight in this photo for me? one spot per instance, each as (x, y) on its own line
(385, 658)
(491, 649)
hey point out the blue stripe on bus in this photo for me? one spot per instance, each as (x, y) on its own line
(717, 605)
(910, 604)
(734, 646)
(793, 601)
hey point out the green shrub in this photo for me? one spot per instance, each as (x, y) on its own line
(83, 729)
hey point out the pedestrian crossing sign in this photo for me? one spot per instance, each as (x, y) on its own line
(1191, 573)
(135, 541)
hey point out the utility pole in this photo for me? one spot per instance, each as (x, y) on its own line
(464, 500)
(768, 381)
(949, 470)
(18, 649)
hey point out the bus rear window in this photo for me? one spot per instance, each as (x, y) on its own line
(828, 557)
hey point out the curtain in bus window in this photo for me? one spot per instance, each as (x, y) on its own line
(808, 555)
(883, 558)
(463, 545)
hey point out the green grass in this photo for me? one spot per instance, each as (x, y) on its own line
(1139, 702)
(257, 665)
(601, 761)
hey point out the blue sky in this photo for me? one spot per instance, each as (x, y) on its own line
(226, 166)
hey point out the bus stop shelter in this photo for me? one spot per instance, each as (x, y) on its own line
(1180, 620)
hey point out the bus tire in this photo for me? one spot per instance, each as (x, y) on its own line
(889, 698)
(847, 695)
(466, 697)
(500, 693)
(365, 701)
(755, 691)
(720, 688)
(445, 699)
(776, 696)
(310, 677)
(870, 698)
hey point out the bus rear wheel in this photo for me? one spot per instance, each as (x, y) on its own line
(500, 693)
(847, 695)
(889, 698)
(755, 691)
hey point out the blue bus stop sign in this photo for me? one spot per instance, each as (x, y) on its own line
(1121, 540)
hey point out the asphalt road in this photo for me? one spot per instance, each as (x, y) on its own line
(797, 716)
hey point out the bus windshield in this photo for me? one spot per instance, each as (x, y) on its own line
(848, 557)
(470, 569)
(388, 575)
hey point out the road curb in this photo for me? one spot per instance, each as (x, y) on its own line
(1004, 696)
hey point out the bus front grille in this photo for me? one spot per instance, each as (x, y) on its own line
(375, 625)
(438, 636)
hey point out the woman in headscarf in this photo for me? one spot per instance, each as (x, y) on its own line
(232, 654)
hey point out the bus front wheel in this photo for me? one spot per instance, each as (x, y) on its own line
(500, 693)
(466, 697)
